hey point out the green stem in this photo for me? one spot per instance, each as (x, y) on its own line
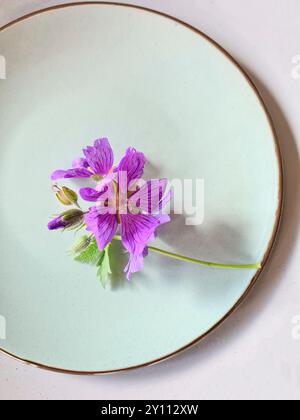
(199, 262)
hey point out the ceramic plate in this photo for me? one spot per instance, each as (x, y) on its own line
(74, 74)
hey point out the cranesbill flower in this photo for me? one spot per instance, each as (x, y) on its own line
(123, 203)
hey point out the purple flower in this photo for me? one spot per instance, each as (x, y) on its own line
(98, 162)
(138, 226)
(122, 200)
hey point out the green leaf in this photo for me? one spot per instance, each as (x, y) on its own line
(104, 269)
(90, 255)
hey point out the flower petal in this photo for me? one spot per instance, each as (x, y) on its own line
(71, 173)
(136, 231)
(80, 163)
(135, 264)
(103, 225)
(151, 197)
(133, 164)
(90, 194)
(163, 219)
(100, 157)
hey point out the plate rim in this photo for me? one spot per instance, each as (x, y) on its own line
(279, 211)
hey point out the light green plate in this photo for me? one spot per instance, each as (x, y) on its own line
(144, 80)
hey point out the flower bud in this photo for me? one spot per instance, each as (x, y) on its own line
(65, 195)
(69, 220)
(83, 243)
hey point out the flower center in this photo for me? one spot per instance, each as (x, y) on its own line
(97, 178)
(120, 202)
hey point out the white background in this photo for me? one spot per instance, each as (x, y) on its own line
(255, 354)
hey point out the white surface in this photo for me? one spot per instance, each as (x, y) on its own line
(254, 354)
